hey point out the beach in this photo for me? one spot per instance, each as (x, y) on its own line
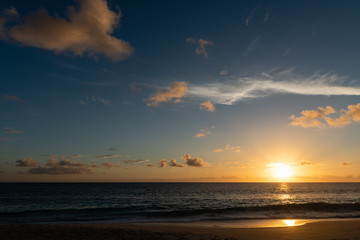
(323, 230)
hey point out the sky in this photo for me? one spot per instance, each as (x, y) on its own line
(179, 91)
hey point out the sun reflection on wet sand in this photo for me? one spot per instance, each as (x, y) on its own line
(289, 223)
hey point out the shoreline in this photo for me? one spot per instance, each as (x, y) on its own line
(319, 230)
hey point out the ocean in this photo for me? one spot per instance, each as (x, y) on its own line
(175, 202)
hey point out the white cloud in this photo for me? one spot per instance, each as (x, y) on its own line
(285, 82)
(252, 46)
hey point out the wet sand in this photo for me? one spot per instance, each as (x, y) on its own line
(329, 230)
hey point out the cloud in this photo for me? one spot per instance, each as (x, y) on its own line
(228, 147)
(5, 139)
(87, 29)
(312, 118)
(193, 162)
(62, 167)
(28, 162)
(218, 150)
(267, 14)
(135, 161)
(320, 118)
(202, 133)
(284, 82)
(110, 165)
(251, 15)
(174, 93)
(11, 130)
(12, 98)
(61, 170)
(111, 156)
(173, 163)
(252, 46)
(288, 51)
(224, 71)
(162, 163)
(94, 99)
(150, 165)
(346, 164)
(208, 106)
(200, 46)
(304, 163)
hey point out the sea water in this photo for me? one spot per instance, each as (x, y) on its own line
(175, 202)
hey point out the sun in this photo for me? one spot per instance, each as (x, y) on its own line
(281, 170)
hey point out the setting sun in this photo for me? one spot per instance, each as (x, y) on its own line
(280, 170)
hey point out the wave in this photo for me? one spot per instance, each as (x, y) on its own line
(160, 214)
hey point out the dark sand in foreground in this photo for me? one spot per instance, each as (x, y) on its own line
(331, 230)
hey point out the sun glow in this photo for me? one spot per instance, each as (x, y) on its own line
(281, 170)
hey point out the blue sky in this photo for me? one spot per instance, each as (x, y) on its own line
(236, 84)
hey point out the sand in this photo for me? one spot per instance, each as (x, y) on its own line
(329, 230)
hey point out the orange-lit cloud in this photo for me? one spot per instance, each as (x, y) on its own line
(304, 163)
(218, 150)
(208, 106)
(320, 118)
(162, 163)
(228, 147)
(347, 164)
(173, 163)
(193, 162)
(29, 162)
(12, 98)
(132, 161)
(111, 156)
(87, 29)
(62, 167)
(312, 118)
(200, 46)
(175, 93)
(202, 133)
(109, 165)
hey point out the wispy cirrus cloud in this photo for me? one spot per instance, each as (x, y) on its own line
(132, 161)
(94, 99)
(284, 82)
(11, 130)
(106, 156)
(203, 132)
(228, 147)
(87, 28)
(12, 98)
